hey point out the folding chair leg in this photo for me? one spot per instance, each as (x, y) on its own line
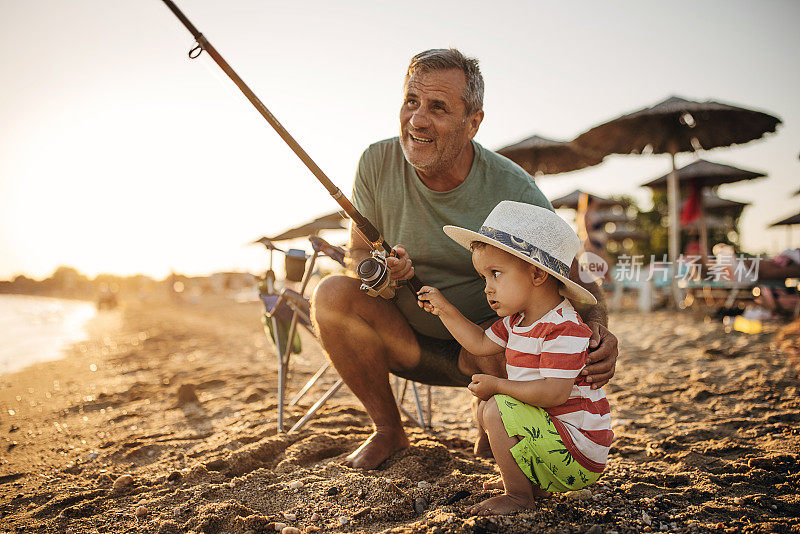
(309, 384)
(430, 406)
(281, 372)
(409, 415)
(420, 412)
(317, 405)
(419, 419)
(402, 396)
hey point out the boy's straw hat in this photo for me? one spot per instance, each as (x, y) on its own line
(534, 234)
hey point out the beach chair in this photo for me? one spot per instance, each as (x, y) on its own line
(287, 309)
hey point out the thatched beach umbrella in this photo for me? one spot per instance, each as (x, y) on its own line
(703, 174)
(714, 203)
(571, 200)
(628, 233)
(711, 223)
(607, 216)
(706, 174)
(788, 221)
(332, 221)
(677, 125)
(540, 155)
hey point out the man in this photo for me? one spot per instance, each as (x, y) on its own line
(409, 187)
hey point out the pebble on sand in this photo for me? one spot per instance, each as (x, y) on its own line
(315, 517)
(295, 484)
(280, 526)
(289, 516)
(122, 482)
(363, 512)
(646, 518)
(141, 511)
(186, 394)
(580, 495)
(290, 530)
(343, 520)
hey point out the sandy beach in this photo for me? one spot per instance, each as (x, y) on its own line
(164, 421)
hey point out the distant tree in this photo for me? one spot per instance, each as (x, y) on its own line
(65, 279)
(22, 283)
(654, 223)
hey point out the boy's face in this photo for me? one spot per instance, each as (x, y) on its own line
(509, 280)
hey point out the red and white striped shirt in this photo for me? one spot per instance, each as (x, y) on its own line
(555, 346)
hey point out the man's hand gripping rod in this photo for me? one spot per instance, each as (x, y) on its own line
(363, 226)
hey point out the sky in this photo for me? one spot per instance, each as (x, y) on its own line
(118, 154)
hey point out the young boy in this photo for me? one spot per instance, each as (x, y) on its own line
(548, 430)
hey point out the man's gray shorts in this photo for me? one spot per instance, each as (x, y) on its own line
(438, 364)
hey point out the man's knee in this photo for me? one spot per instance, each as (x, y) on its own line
(333, 297)
(334, 291)
(494, 365)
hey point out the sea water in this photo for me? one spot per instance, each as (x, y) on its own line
(35, 329)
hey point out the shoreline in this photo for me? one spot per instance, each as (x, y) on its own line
(52, 325)
(705, 426)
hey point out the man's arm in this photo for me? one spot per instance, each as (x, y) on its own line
(597, 313)
(358, 248)
(603, 349)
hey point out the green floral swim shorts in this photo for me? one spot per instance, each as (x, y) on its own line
(541, 454)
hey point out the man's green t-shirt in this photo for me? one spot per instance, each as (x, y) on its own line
(389, 193)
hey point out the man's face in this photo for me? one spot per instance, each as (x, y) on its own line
(434, 128)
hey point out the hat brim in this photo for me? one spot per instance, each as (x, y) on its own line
(571, 290)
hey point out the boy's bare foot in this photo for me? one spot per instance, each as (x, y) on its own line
(495, 483)
(539, 493)
(376, 449)
(502, 504)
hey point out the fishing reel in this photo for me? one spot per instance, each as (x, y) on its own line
(375, 276)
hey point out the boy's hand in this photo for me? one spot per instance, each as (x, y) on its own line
(432, 301)
(483, 386)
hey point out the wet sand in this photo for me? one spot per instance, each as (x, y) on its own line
(165, 421)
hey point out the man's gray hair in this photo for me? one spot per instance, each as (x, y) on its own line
(450, 58)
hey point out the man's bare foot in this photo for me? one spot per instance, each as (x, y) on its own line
(502, 504)
(376, 449)
(482, 448)
(495, 483)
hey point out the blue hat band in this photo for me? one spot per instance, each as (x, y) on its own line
(526, 249)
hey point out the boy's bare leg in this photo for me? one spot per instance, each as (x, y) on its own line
(519, 493)
(494, 365)
(481, 447)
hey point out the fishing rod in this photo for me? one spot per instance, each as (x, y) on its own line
(369, 270)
